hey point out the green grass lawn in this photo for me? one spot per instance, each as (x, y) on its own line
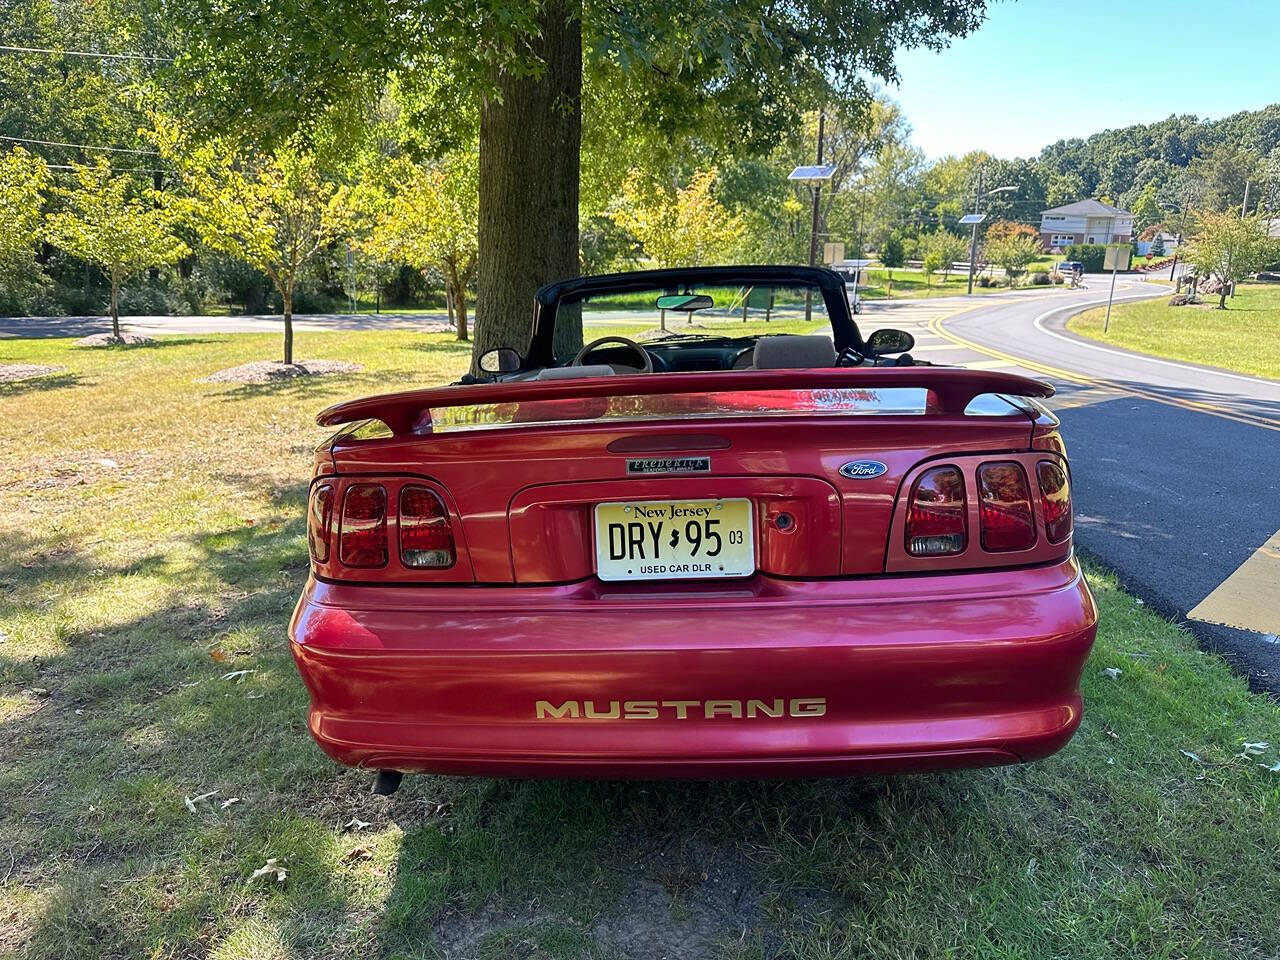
(152, 548)
(1245, 337)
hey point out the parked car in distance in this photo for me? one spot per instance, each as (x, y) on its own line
(700, 555)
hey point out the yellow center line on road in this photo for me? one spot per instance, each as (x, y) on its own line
(935, 326)
(1247, 600)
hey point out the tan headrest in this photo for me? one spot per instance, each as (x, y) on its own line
(790, 352)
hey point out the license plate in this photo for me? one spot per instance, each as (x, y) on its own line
(674, 539)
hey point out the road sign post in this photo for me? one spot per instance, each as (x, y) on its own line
(1117, 259)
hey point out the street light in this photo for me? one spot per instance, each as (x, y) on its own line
(814, 177)
(976, 218)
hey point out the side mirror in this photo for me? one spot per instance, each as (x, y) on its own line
(500, 360)
(888, 341)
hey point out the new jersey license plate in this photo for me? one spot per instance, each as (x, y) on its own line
(674, 539)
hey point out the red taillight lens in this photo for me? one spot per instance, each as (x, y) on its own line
(426, 539)
(1055, 500)
(320, 522)
(1005, 507)
(936, 514)
(362, 541)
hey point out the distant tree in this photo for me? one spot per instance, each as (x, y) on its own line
(433, 222)
(892, 255)
(947, 247)
(1003, 229)
(1229, 248)
(1146, 208)
(274, 212)
(1013, 253)
(1157, 246)
(377, 254)
(1064, 188)
(605, 246)
(1223, 173)
(687, 227)
(115, 225)
(23, 179)
(930, 265)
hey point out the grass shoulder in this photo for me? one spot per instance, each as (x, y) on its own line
(1245, 337)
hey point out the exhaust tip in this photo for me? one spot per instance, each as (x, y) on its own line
(387, 782)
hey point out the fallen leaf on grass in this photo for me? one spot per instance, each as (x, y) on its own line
(1112, 672)
(192, 801)
(1191, 756)
(237, 675)
(228, 802)
(1274, 768)
(271, 866)
(359, 853)
(218, 656)
(355, 823)
(1252, 750)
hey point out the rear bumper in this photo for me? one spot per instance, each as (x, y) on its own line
(759, 678)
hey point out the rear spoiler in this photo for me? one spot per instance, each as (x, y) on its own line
(953, 390)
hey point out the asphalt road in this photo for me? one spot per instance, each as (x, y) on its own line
(1176, 467)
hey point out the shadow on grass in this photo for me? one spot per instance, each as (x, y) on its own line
(153, 344)
(101, 741)
(51, 381)
(303, 386)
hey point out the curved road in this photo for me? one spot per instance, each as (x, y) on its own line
(1176, 467)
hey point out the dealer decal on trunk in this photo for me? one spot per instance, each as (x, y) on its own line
(651, 465)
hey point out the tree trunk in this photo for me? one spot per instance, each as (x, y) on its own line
(460, 304)
(115, 304)
(530, 141)
(288, 326)
(1222, 298)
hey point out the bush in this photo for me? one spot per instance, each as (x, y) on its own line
(1183, 299)
(985, 281)
(1038, 278)
(1092, 255)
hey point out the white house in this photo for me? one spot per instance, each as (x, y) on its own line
(1086, 221)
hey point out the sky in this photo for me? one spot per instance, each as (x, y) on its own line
(1044, 70)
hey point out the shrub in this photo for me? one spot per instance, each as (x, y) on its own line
(1038, 278)
(1092, 255)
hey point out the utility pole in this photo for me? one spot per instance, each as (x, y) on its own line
(973, 237)
(813, 231)
(1245, 206)
(1182, 222)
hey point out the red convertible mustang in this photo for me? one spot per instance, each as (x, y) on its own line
(700, 556)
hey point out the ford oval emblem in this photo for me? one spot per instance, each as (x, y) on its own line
(863, 469)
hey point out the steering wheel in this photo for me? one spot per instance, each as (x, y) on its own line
(641, 352)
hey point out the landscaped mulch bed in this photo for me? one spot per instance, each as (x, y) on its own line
(13, 372)
(111, 340)
(272, 371)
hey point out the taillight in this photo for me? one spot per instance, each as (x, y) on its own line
(426, 539)
(362, 539)
(936, 514)
(320, 522)
(1055, 500)
(1004, 507)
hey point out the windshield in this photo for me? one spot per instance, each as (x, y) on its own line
(691, 310)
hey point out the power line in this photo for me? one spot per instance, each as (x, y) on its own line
(86, 53)
(81, 146)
